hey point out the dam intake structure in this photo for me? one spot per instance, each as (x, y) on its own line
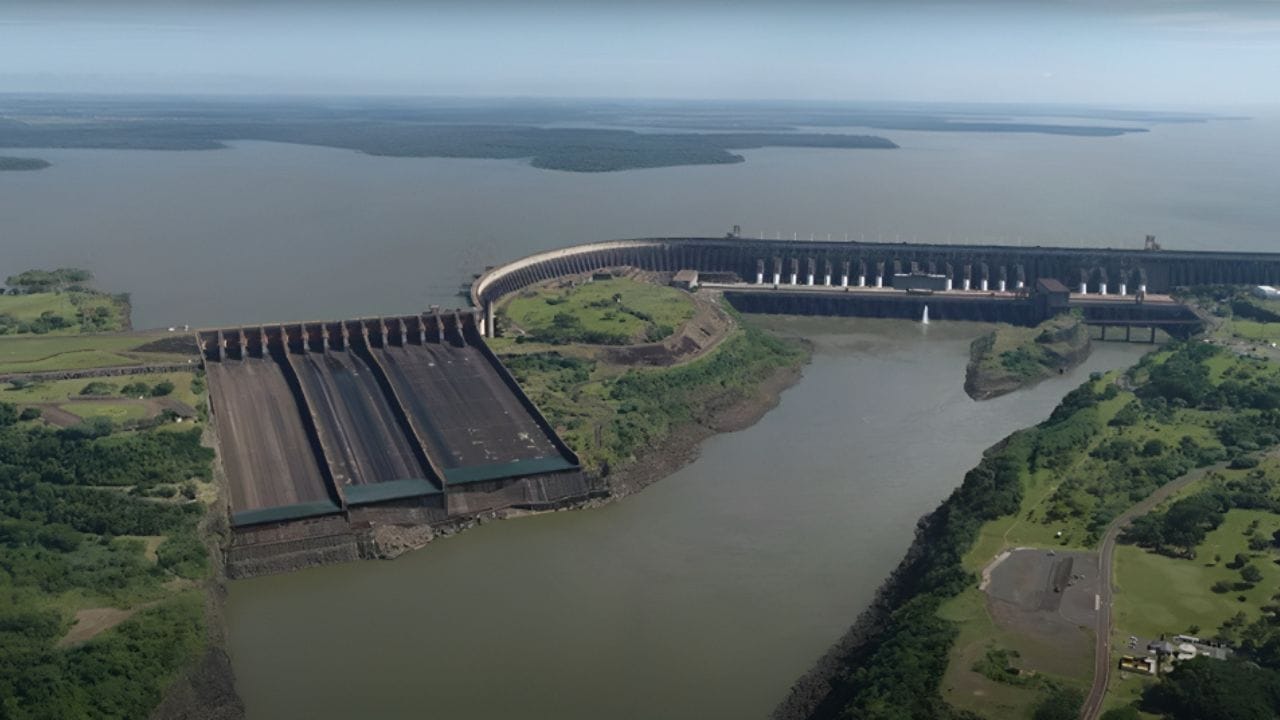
(328, 428)
(1113, 288)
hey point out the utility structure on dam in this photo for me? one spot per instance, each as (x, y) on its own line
(326, 427)
(1114, 288)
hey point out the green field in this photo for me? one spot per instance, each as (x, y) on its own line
(58, 390)
(604, 312)
(117, 412)
(1158, 594)
(43, 353)
(75, 311)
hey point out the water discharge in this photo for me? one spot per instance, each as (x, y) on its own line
(705, 596)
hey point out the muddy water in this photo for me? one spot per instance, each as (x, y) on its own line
(703, 597)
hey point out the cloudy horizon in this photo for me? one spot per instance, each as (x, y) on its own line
(1153, 54)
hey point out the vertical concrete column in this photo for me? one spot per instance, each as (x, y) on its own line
(777, 271)
(826, 276)
(795, 270)
(345, 334)
(222, 346)
(862, 273)
(985, 285)
(811, 267)
(760, 271)
(1084, 282)
(1124, 289)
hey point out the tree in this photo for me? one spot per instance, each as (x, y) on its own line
(1207, 689)
(1251, 574)
(1062, 703)
(162, 388)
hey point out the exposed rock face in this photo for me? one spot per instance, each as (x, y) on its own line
(1010, 358)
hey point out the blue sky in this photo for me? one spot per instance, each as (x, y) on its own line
(1152, 53)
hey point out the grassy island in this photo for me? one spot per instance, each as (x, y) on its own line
(21, 163)
(1012, 357)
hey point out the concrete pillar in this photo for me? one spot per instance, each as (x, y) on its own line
(879, 281)
(948, 287)
(222, 346)
(985, 283)
(1002, 284)
(808, 280)
(862, 281)
(489, 330)
(1019, 285)
(1102, 288)
(844, 280)
(1142, 289)
(760, 271)
(1124, 290)
(1084, 288)
(777, 278)
(795, 279)
(964, 284)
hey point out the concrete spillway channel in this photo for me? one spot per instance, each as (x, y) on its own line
(383, 420)
(262, 435)
(362, 440)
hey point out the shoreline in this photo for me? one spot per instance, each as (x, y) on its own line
(814, 694)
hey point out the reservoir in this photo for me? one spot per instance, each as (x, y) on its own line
(704, 596)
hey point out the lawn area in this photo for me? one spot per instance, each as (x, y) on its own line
(1254, 330)
(56, 390)
(117, 412)
(1158, 594)
(77, 312)
(604, 312)
(42, 353)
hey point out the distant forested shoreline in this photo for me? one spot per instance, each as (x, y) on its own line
(22, 163)
(578, 136)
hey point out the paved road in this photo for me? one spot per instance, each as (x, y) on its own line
(1106, 551)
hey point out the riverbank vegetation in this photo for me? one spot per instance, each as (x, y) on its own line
(1011, 357)
(1110, 443)
(94, 518)
(609, 414)
(59, 302)
(616, 311)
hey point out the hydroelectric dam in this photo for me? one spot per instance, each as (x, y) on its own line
(340, 439)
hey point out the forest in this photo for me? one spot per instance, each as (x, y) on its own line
(77, 508)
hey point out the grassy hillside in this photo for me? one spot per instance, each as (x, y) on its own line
(604, 312)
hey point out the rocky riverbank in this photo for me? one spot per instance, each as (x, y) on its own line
(1010, 358)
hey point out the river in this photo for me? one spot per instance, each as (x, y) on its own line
(702, 597)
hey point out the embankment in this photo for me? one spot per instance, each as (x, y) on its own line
(1010, 358)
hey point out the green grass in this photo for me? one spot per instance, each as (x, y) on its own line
(82, 311)
(1254, 330)
(640, 310)
(116, 411)
(30, 307)
(1158, 594)
(43, 353)
(57, 390)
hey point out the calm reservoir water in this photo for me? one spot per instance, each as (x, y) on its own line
(706, 595)
(270, 232)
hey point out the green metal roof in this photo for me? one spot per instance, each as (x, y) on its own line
(284, 512)
(390, 490)
(516, 468)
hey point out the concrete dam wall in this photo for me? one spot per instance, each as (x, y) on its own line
(328, 428)
(1102, 271)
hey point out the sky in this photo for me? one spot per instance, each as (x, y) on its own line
(1151, 53)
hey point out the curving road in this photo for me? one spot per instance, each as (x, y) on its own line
(1106, 551)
